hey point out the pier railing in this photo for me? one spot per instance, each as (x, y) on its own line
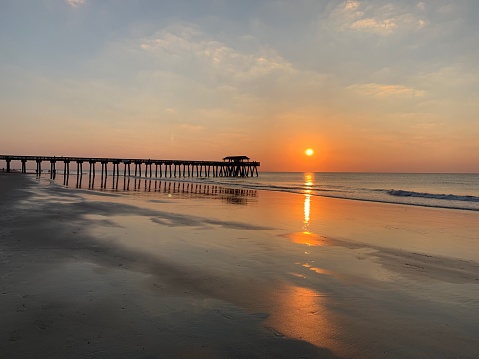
(152, 168)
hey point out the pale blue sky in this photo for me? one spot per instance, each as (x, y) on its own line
(370, 85)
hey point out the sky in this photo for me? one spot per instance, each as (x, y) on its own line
(370, 86)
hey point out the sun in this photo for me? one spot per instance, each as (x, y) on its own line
(309, 152)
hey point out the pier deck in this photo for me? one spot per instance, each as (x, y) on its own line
(232, 166)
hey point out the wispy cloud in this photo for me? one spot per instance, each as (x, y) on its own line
(187, 46)
(351, 5)
(377, 25)
(383, 20)
(382, 90)
(76, 3)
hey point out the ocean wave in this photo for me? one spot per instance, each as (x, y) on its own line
(357, 193)
(428, 199)
(447, 197)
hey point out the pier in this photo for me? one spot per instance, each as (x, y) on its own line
(231, 166)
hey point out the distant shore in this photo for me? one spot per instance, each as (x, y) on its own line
(134, 275)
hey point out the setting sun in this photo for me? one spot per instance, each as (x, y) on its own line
(309, 152)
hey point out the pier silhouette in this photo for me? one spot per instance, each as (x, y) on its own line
(231, 166)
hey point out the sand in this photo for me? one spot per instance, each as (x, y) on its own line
(155, 275)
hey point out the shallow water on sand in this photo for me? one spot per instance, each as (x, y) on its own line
(305, 242)
(269, 274)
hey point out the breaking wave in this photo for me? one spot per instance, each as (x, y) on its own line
(447, 197)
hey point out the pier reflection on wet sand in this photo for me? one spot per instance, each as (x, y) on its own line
(170, 187)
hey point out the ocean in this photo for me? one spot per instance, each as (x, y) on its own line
(452, 191)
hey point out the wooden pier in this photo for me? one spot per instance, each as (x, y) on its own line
(231, 166)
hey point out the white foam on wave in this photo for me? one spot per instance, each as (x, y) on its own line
(447, 197)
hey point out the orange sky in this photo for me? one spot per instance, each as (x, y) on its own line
(369, 87)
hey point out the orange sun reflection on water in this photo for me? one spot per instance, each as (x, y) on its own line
(302, 313)
(306, 236)
(308, 183)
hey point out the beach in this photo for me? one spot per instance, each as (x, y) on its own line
(231, 274)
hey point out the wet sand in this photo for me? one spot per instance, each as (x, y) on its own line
(151, 275)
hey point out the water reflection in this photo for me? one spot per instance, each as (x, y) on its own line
(302, 313)
(178, 189)
(308, 184)
(305, 236)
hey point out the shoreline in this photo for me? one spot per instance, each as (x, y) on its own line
(463, 201)
(92, 272)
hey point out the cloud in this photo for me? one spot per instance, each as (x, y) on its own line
(381, 26)
(176, 45)
(76, 3)
(229, 85)
(381, 90)
(383, 20)
(190, 127)
(351, 5)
